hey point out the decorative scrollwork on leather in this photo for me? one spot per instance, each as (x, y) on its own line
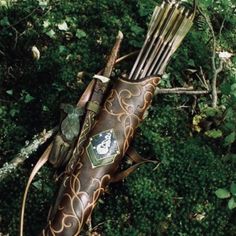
(128, 103)
(75, 205)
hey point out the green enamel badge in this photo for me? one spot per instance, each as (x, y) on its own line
(103, 148)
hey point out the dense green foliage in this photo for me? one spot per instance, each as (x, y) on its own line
(194, 141)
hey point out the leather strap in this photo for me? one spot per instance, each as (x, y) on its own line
(86, 94)
(137, 159)
(43, 159)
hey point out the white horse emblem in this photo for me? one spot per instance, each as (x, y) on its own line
(104, 146)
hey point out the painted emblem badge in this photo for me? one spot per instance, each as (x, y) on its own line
(103, 148)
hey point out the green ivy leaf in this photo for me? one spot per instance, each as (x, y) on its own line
(191, 63)
(51, 33)
(233, 188)
(4, 21)
(233, 88)
(80, 34)
(215, 133)
(14, 112)
(230, 139)
(225, 88)
(222, 193)
(136, 29)
(231, 203)
(46, 23)
(9, 92)
(38, 185)
(28, 98)
(43, 3)
(62, 48)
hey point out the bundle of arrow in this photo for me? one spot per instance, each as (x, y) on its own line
(169, 25)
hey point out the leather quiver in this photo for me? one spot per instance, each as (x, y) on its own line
(108, 141)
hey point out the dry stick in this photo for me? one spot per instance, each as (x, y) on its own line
(190, 88)
(222, 27)
(216, 70)
(25, 152)
(173, 91)
(1, 52)
(24, 18)
(203, 79)
(4, 101)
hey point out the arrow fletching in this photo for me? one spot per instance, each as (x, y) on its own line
(169, 25)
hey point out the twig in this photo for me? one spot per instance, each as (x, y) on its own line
(16, 37)
(178, 91)
(220, 68)
(25, 153)
(24, 18)
(215, 70)
(1, 52)
(222, 27)
(5, 101)
(32, 12)
(203, 79)
(9, 69)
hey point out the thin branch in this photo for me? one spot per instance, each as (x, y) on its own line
(203, 79)
(221, 27)
(220, 68)
(5, 101)
(32, 12)
(215, 70)
(25, 153)
(178, 91)
(24, 18)
(1, 52)
(16, 36)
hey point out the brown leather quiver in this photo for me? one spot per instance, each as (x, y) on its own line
(103, 151)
